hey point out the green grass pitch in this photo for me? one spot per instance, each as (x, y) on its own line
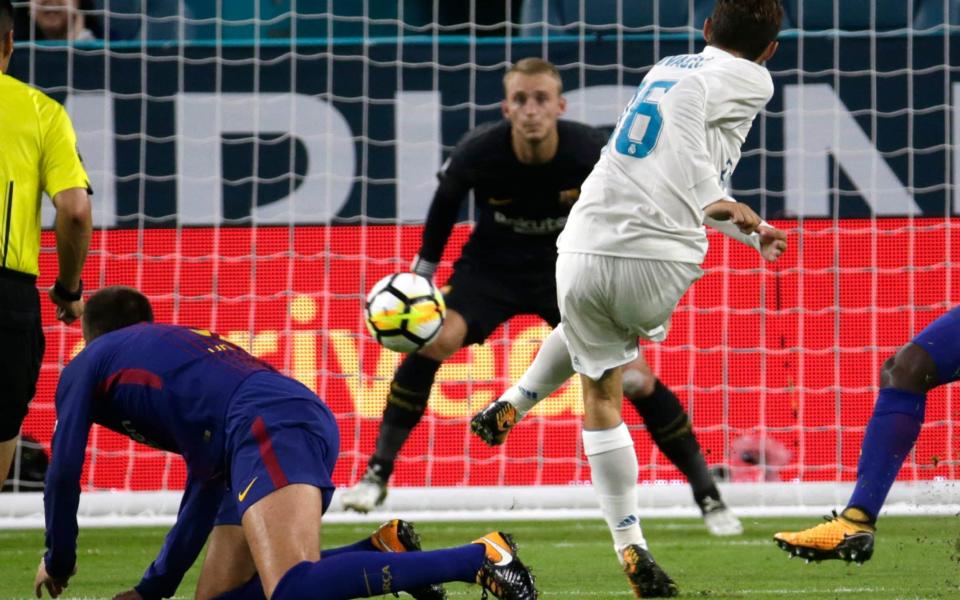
(916, 557)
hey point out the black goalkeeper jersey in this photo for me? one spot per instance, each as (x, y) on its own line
(520, 209)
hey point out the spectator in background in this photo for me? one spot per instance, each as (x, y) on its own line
(64, 20)
(156, 20)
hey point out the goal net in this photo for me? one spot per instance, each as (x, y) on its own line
(256, 172)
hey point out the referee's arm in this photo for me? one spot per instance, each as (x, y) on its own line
(73, 226)
(68, 186)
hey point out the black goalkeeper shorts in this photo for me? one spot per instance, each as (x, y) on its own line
(485, 300)
(21, 348)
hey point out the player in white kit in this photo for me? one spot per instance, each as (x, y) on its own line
(635, 240)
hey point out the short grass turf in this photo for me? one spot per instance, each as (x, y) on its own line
(916, 557)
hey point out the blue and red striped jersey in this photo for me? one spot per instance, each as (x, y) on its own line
(162, 385)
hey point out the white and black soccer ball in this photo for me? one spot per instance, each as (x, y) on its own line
(404, 312)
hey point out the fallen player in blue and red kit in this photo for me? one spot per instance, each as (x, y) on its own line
(260, 449)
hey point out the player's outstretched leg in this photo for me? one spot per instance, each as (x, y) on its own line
(490, 561)
(395, 535)
(550, 369)
(931, 359)
(670, 427)
(409, 393)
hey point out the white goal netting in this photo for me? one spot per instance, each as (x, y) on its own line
(258, 166)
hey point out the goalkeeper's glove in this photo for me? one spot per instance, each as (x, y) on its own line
(422, 267)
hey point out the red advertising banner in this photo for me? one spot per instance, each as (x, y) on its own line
(775, 362)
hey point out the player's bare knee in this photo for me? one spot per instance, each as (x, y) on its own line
(910, 369)
(442, 348)
(227, 565)
(450, 339)
(637, 383)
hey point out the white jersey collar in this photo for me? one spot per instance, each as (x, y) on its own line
(718, 52)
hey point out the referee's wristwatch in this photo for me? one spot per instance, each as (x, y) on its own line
(64, 294)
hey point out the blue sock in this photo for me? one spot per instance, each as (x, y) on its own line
(364, 545)
(365, 574)
(891, 433)
(251, 590)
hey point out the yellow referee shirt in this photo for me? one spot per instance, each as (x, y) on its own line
(38, 153)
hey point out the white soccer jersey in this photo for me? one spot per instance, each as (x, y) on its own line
(671, 154)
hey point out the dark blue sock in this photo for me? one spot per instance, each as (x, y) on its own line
(891, 433)
(251, 590)
(365, 574)
(364, 545)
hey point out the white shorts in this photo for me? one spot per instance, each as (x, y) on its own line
(607, 302)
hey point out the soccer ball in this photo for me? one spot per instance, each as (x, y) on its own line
(404, 312)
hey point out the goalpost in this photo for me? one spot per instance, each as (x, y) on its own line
(258, 186)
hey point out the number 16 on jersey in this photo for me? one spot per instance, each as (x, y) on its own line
(639, 127)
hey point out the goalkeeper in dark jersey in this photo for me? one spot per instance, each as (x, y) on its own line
(259, 449)
(525, 172)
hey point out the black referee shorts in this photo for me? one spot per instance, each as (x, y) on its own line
(21, 348)
(486, 300)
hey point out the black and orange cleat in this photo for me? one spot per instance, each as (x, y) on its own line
(502, 573)
(646, 577)
(398, 535)
(493, 423)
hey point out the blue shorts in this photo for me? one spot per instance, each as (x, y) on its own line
(941, 340)
(278, 433)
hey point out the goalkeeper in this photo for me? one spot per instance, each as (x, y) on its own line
(525, 172)
(259, 448)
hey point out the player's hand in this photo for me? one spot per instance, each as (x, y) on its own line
(67, 311)
(43, 579)
(773, 242)
(128, 595)
(737, 213)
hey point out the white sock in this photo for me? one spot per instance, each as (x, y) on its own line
(550, 369)
(614, 471)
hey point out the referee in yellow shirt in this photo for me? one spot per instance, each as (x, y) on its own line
(38, 153)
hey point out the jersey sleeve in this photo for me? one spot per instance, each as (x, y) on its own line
(685, 112)
(442, 216)
(198, 511)
(61, 494)
(60, 164)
